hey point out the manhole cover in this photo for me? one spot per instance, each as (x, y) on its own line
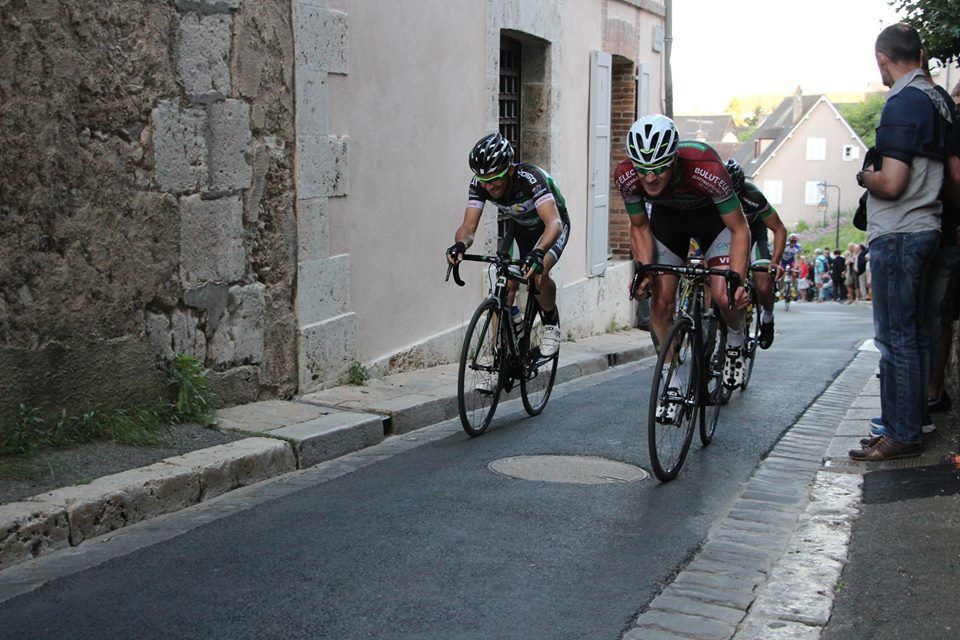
(571, 469)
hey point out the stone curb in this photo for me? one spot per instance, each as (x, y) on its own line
(66, 517)
(299, 434)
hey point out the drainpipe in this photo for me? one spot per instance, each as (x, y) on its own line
(667, 73)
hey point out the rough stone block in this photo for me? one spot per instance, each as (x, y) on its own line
(321, 38)
(31, 528)
(322, 166)
(312, 103)
(159, 335)
(187, 338)
(313, 229)
(237, 464)
(209, 6)
(230, 141)
(180, 146)
(205, 56)
(323, 289)
(326, 350)
(211, 240)
(122, 499)
(235, 386)
(239, 336)
(331, 436)
(211, 298)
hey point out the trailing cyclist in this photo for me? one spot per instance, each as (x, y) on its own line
(761, 216)
(534, 214)
(690, 195)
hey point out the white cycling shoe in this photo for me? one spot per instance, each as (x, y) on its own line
(733, 368)
(550, 340)
(669, 407)
(489, 384)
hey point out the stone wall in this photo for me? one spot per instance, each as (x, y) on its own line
(146, 198)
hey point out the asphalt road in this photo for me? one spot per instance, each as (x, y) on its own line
(430, 543)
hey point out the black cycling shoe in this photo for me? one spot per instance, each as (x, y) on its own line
(766, 334)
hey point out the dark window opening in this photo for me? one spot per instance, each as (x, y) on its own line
(510, 92)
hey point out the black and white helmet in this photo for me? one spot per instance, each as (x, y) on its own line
(652, 141)
(736, 173)
(492, 154)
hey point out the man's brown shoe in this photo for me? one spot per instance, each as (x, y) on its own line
(870, 441)
(886, 449)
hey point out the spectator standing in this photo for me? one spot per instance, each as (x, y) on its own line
(837, 268)
(850, 273)
(941, 300)
(802, 278)
(819, 268)
(903, 229)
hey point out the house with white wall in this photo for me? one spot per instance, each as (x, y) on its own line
(804, 142)
(391, 96)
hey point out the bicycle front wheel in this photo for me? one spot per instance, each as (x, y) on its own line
(717, 394)
(479, 380)
(752, 342)
(539, 372)
(674, 402)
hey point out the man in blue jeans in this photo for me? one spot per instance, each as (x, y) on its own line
(903, 229)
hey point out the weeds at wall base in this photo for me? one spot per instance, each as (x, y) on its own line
(144, 426)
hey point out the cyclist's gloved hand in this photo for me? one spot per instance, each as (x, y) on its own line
(533, 263)
(455, 253)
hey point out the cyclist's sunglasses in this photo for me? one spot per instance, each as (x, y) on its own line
(492, 178)
(656, 170)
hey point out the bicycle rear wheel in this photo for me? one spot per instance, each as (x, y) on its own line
(480, 379)
(539, 372)
(717, 394)
(674, 402)
(752, 341)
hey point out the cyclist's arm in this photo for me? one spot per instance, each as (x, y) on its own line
(468, 229)
(552, 225)
(641, 237)
(775, 224)
(739, 240)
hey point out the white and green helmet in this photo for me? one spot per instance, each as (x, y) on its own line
(652, 141)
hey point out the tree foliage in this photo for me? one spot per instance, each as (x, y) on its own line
(938, 22)
(864, 117)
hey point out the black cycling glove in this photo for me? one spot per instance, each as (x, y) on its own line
(535, 260)
(456, 251)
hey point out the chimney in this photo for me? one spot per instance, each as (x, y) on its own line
(797, 105)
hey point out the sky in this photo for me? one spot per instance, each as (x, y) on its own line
(727, 48)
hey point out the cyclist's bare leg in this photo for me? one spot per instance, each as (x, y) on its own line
(733, 317)
(662, 304)
(547, 298)
(764, 284)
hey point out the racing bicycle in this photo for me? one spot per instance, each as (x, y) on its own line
(687, 386)
(495, 356)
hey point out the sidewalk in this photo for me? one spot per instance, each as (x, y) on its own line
(280, 436)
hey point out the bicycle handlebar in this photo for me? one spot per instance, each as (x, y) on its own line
(501, 261)
(731, 277)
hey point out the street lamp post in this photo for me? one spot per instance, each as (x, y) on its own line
(822, 208)
(823, 186)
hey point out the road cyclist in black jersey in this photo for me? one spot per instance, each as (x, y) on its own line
(534, 214)
(761, 216)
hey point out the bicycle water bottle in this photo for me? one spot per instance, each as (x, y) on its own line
(517, 320)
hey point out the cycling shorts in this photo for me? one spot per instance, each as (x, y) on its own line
(526, 239)
(672, 230)
(759, 243)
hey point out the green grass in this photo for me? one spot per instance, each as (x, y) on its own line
(820, 237)
(358, 374)
(143, 426)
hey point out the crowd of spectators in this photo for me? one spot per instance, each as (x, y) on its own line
(834, 275)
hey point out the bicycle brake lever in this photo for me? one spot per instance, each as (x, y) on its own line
(449, 269)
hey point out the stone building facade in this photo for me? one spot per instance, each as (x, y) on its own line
(242, 181)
